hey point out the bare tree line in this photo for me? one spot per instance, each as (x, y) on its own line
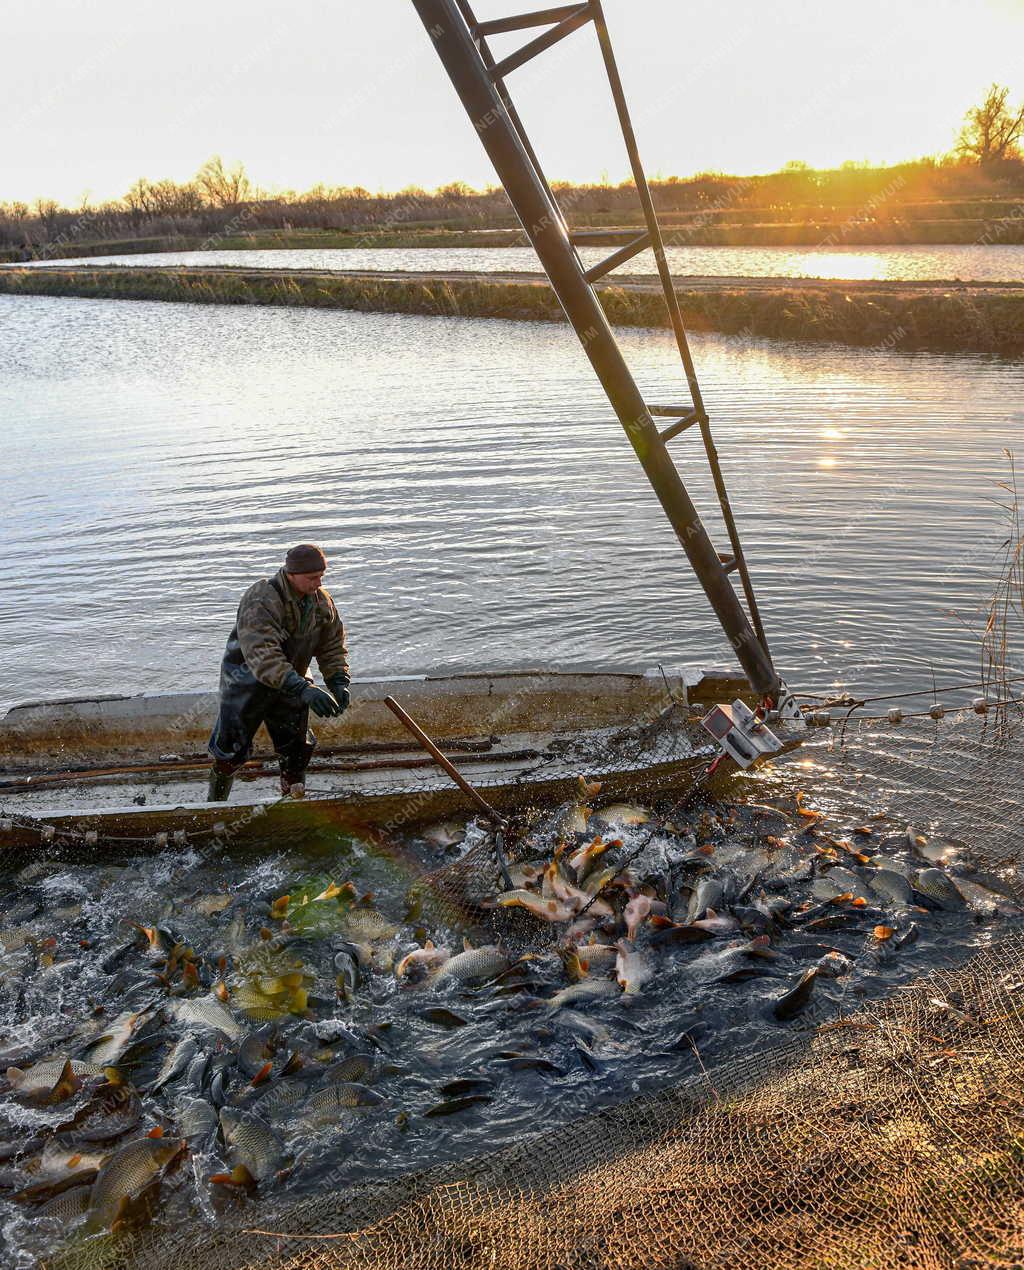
(985, 165)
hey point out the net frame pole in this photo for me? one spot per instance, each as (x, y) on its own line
(450, 25)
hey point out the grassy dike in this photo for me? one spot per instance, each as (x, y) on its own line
(973, 320)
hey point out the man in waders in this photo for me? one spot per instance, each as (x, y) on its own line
(283, 623)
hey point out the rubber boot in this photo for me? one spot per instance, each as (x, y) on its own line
(220, 785)
(293, 784)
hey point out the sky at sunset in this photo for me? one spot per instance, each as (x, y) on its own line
(95, 95)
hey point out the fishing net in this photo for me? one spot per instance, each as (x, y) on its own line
(887, 1136)
(960, 776)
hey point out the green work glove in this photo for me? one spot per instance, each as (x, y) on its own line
(319, 701)
(338, 684)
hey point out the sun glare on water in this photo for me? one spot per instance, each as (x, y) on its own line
(838, 264)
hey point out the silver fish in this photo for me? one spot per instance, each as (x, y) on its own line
(891, 886)
(844, 880)
(632, 969)
(716, 923)
(708, 894)
(208, 1013)
(473, 965)
(586, 990)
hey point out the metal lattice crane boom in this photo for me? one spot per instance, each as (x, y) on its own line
(479, 80)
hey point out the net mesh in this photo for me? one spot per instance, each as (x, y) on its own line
(889, 1136)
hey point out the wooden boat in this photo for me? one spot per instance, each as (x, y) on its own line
(131, 771)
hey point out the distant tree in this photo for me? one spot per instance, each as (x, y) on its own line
(221, 186)
(455, 190)
(139, 198)
(47, 210)
(168, 198)
(992, 131)
(163, 198)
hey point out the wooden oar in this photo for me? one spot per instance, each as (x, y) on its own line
(501, 825)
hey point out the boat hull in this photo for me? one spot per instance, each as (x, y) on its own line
(130, 772)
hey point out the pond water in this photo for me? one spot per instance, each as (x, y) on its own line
(478, 502)
(967, 262)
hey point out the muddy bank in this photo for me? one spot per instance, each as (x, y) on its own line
(937, 317)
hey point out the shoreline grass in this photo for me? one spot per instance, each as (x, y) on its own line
(989, 322)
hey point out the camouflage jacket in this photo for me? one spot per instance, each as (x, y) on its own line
(277, 631)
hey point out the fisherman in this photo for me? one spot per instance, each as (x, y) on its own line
(283, 623)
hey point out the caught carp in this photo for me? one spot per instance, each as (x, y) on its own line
(632, 969)
(108, 1048)
(891, 886)
(583, 860)
(206, 1013)
(709, 893)
(426, 958)
(367, 925)
(938, 887)
(548, 910)
(252, 1144)
(68, 1206)
(585, 990)
(452, 1106)
(572, 897)
(636, 911)
(716, 923)
(622, 814)
(337, 1101)
(53, 1080)
(355, 1068)
(793, 1001)
(589, 959)
(472, 966)
(126, 1174)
